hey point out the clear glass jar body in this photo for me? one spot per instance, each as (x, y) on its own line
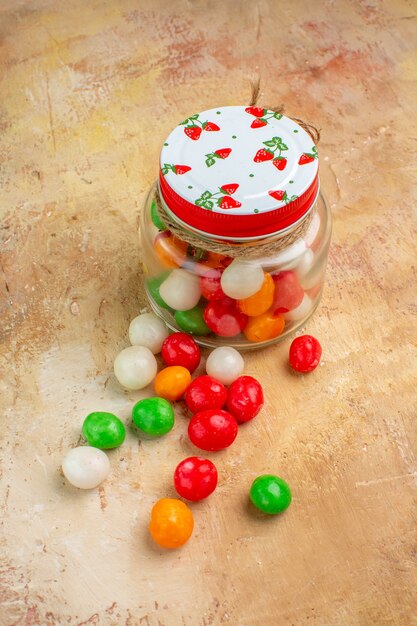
(194, 302)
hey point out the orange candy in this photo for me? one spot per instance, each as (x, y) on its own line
(172, 382)
(172, 523)
(264, 327)
(216, 260)
(261, 301)
(171, 251)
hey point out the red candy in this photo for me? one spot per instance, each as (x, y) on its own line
(210, 285)
(212, 430)
(288, 292)
(181, 349)
(205, 392)
(305, 354)
(224, 318)
(245, 398)
(195, 478)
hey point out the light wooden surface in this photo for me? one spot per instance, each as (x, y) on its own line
(88, 91)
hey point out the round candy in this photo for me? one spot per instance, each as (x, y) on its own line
(305, 353)
(288, 292)
(264, 327)
(171, 251)
(245, 398)
(305, 264)
(205, 392)
(303, 310)
(171, 383)
(171, 523)
(261, 300)
(135, 367)
(148, 330)
(214, 429)
(195, 478)
(181, 290)
(192, 321)
(86, 467)
(103, 430)
(154, 416)
(224, 318)
(155, 217)
(181, 349)
(242, 279)
(153, 286)
(270, 494)
(211, 288)
(225, 364)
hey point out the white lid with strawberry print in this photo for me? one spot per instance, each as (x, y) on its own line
(239, 172)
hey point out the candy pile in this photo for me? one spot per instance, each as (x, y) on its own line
(211, 293)
(219, 401)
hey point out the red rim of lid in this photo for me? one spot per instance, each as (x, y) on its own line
(231, 225)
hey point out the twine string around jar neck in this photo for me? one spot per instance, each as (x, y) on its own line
(241, 250)
(248, 249)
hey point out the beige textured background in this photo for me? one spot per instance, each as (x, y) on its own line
(88, 91)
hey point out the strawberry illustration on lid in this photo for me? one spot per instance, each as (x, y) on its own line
(270, 159)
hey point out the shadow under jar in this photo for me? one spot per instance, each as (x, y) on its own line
(235, 234)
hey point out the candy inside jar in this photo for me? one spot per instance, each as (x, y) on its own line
(217, 266)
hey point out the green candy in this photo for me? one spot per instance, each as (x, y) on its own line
(155, 217)
(270, 494)
(103, 430)
(192, 321)
(153, 285)
(153, 416)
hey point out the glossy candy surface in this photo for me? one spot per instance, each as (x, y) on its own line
(195, 478)
(301, 311)
(171, 251)
(135, 367)
(86, 467)
(264, 327)
(261, 300)
(181, 290)
(213, 430)
(245, 398)
(242, 279)
(171, 383)
(148, 330)
(224, 318)
(205, 392)
(270, 494)
(305, 353)
(153, 416)
(103, 430)
(172, 523)
(211, 288)
(192, 321)
(181, 349)
(154, 284)
(225, 364)
(288, 292)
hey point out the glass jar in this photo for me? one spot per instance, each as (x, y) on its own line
(238, 263)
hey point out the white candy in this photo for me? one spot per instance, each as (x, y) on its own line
(135, 367)
(181, 290)
(86, 467)
(242, 279)
(301, 311)
(313, 230)
(148, 330)
(305, 263)
(225, 364)
(289, 258)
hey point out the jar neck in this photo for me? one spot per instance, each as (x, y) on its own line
(199, 238)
